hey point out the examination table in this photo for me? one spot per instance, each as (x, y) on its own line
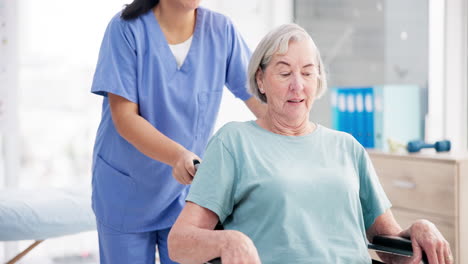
(44, 213)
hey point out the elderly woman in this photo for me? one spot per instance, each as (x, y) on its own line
(288, 190)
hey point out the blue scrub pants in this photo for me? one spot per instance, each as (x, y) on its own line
(135, 248)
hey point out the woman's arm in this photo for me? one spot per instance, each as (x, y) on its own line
(193, 240)
(149, 141)
(385, 224)
(424, 237)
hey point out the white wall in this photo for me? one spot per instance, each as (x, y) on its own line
(456, 71)
(9, 140)
(9, 147)
(59, 42)
(447, 117)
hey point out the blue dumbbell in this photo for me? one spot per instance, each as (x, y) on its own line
(439, 146)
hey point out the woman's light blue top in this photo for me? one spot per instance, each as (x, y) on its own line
(132, 192)
(301, 199)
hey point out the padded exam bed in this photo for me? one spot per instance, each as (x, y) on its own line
(44, 213)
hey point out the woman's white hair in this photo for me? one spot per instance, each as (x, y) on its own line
(277, 42)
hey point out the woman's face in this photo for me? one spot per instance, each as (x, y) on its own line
(290, 82)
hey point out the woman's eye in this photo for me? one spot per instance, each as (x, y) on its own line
(285, 74)
(307, 73)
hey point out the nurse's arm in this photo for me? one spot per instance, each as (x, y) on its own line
(256, 107)
(193, 240)
(150, 141)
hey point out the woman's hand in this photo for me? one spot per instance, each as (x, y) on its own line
(183, 169)
(239, 248)
(426, 237)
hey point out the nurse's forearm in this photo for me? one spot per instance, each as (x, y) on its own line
(150, 141)
(141, 134)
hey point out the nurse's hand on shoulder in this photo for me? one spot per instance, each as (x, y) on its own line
(184, 170)
(239, 248)
(426, 237)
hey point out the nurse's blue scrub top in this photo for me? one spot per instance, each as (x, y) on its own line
(132, 192)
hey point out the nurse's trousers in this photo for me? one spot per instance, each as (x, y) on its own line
(132, 248)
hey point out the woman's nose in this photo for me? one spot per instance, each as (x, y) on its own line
(297, 83)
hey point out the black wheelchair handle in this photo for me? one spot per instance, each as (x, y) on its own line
(196, 163)
(214, 261)
(394, 245)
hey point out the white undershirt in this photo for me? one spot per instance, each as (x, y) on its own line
(180, 51)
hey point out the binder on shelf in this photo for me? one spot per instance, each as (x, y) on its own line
(360, 128)
(341, 110)
(375, 114)
(346, 102)
(350, 115)
(368, 141)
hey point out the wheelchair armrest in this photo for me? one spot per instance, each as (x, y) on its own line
(394, 245)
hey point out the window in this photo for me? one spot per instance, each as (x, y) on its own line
(367, 43)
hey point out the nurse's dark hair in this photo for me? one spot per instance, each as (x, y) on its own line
(137, 8)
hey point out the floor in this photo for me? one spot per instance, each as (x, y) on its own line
(81, 248)
(75, 249)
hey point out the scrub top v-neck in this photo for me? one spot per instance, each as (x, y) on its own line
(132, 192)
(181, 50)
(160, 41)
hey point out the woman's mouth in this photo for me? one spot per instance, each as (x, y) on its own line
(295, 101)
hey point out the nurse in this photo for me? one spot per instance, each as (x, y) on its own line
(161, 71)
